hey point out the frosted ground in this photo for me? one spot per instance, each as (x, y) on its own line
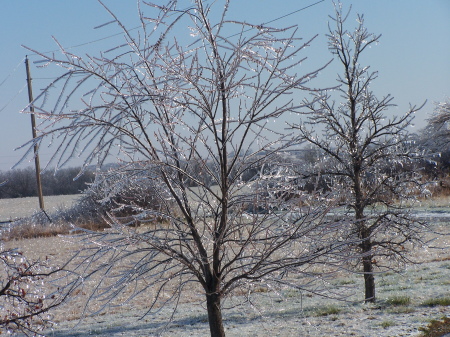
(285, 313)
(11, 209)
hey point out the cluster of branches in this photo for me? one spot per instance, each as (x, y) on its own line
(25, 295)
(20, 183)
(130, 193)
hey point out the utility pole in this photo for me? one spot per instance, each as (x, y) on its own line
(36, 146)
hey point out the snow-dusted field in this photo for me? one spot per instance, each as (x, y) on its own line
(294, 314)
(11, 209)
(285, 313)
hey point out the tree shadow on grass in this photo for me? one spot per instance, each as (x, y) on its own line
(156, 327)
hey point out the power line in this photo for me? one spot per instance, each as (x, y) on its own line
(87, 43)
(97, 40)
(298, 10)
(137, 27)
(121, 33)
(12, 72)
(13, 98)
(282, 17)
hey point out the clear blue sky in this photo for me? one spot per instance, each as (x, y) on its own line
(413, 58)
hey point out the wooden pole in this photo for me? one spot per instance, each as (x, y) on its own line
(36, 146)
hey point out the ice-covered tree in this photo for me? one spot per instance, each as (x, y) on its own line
(366, 155)
(190, 104)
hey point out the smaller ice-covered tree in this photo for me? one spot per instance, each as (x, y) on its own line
(366, 154)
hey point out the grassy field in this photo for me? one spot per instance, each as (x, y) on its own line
(407, 302)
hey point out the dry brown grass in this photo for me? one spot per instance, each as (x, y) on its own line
(436, 201)
(440, 188)
(437, 328)
(29, 229)
(58, 250)
(39, 225)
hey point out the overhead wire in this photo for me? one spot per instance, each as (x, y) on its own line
(283, 16)
(13, 98)
(137, 27)
(134, 28)
(96, 40)
(293, 12)
(12, 72)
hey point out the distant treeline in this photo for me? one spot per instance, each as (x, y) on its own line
(21, 183)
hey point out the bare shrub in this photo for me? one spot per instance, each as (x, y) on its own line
(25, 295)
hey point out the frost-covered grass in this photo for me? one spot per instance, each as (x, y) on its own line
(399, 300)
(433, 302)
(67, 210)
(288, 313)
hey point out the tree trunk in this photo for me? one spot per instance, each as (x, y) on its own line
(369, 282)
(365, 236)
(215, 315)
(369, 279)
